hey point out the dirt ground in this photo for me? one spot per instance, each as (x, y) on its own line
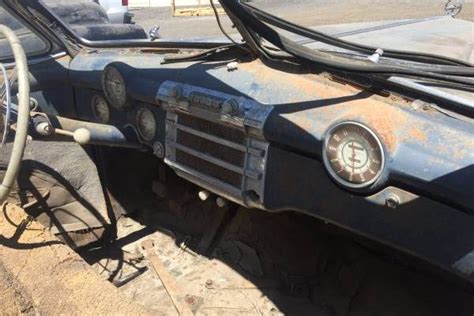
(41, 275)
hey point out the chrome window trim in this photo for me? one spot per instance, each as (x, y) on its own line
(38, 60)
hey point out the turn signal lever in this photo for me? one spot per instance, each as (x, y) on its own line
(83, 133)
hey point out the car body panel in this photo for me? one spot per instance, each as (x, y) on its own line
(116, 12)
(443, 36)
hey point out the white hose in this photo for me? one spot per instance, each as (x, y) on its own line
(21, 132)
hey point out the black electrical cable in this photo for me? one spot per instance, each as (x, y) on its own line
(219, 23)
(197, 56)
(218, 20)
(270, 55)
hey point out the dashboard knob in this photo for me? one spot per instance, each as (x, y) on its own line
(177, 93)
(230, 106)
(82, 136)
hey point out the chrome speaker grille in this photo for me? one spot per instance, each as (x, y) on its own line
(209, 149)
(225, 153)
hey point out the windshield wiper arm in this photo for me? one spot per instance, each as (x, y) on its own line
(414, 85)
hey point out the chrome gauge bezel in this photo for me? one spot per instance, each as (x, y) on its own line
(117, 102)
(139, 126)
(334, 175)
(98, 98)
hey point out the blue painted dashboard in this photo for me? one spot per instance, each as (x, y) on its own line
(429, 152)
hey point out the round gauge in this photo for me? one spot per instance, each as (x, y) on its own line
(114, 88)
(146, 124)
(100, 108)
(353, 155)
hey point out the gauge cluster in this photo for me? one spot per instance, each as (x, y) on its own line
(112, 105)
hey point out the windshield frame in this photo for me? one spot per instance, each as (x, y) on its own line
(49, 48)
(39, 12)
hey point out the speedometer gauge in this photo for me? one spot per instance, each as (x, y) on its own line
(146, 124)
(100, 108)
(114, 88)
(353, 155)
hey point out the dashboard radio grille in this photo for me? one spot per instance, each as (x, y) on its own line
(209, 169)
(216, 140)
(208, 127)
(210, 148)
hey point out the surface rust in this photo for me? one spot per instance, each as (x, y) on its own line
(418, 134)
(385, 115)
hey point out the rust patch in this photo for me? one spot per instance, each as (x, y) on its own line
(344, 102)
(305, 123)
(385, 120)
(304, 85)
(417, 134)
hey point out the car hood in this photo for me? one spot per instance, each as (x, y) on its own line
(444, 36)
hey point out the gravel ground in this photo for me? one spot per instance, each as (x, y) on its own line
(308, 13)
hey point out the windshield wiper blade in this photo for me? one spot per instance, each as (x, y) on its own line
(327, 39)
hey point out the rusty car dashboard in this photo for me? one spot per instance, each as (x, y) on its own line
(378, 142)
(265, 138)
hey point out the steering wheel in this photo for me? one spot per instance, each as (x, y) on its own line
(21, 130)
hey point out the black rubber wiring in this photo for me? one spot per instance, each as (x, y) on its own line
(200, 55)
(221, 27)
(273, 55)
(369, 67)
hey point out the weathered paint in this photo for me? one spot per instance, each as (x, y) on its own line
(421, 145)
